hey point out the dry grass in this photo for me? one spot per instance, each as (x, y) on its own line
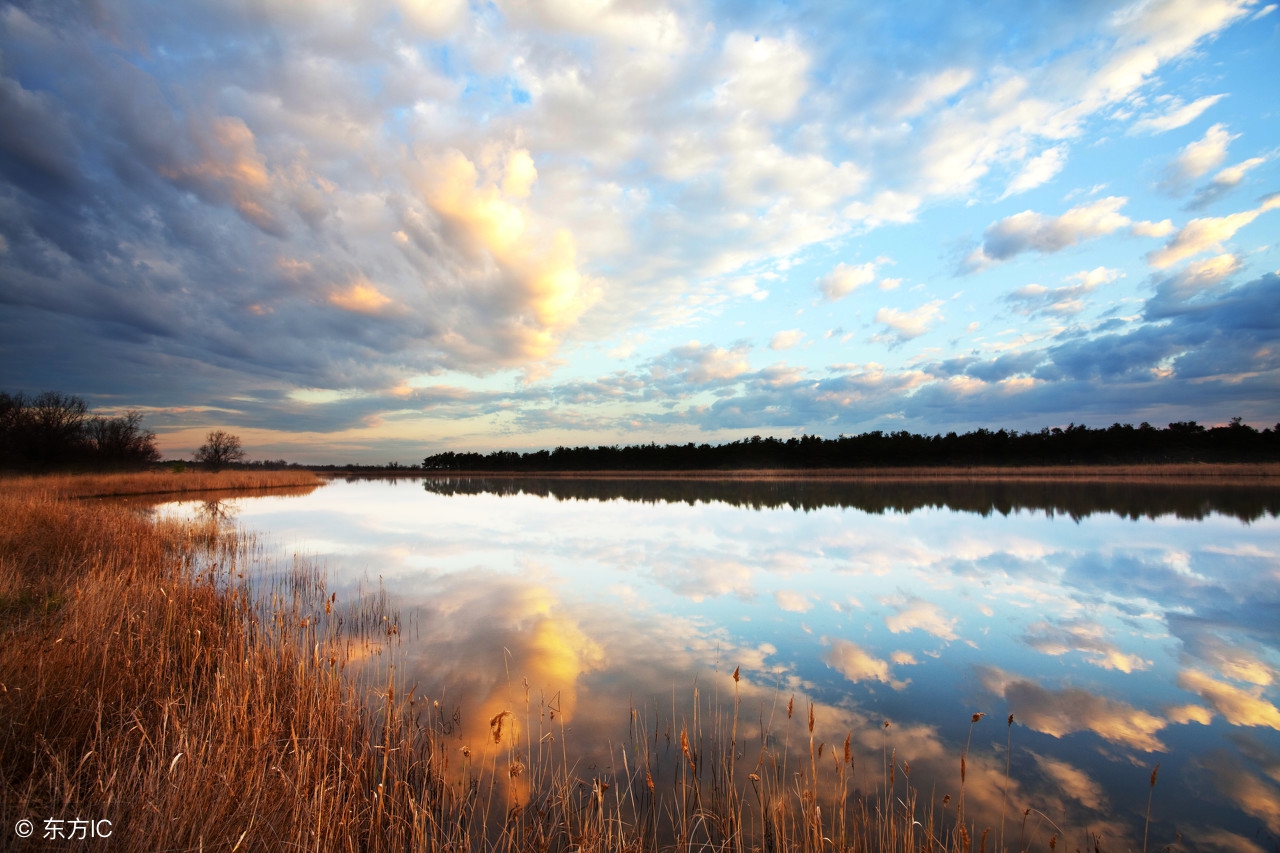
(146, 681)
(153, 675)
(155, 482)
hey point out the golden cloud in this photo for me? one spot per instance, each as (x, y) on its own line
(537, 275)
(1251, 794)
(1072, 781)
(361, 297)
(1062, 712)
(1240, 707)
(1200, 235)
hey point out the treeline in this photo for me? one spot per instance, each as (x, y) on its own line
(1073, 445)
(53, 430)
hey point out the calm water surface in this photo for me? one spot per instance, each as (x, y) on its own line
(1121, 626)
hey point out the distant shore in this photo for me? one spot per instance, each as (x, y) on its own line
(1180, 472)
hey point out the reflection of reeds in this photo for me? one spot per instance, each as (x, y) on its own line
(149, 666)
(1150, 793)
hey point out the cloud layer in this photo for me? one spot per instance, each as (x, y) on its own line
(474, 221)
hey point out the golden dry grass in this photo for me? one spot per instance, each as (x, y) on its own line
(156, 482)
(143, 680)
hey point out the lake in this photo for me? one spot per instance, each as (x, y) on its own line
(1122, 625)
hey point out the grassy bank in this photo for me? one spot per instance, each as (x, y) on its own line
(155, 482)
(138, 685)
(152, 677)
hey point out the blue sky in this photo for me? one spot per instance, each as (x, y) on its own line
(362, 232)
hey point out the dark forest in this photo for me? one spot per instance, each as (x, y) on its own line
(1119, 444)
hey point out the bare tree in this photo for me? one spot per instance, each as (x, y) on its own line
(121, 440)
(220, 449)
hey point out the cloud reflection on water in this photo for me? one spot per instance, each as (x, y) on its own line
(1073, 709)
(1107, 636)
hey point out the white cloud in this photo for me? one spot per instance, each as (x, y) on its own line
(1004, 115)
(1163, 228)
(1195, 278)
(856, 664)
(763, 77)
(1200, 235)
(1198, 157)
(1151, 33)
(432, 17)
(887, 206)
(647, 27)
(1224, 182)
(786, 339)
(916, 613)
(759, 171)
(1062, 301)
(930, 90)
(1030, 231)
(1096, 276)
(701, 365)
(1038, 170)
(1233, 175)
(906, 325)
(1181, 114)
(845, 279)
(792, 602)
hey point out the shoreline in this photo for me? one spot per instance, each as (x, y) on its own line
(1222, 473)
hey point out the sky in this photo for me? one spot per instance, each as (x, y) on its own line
(364, 232)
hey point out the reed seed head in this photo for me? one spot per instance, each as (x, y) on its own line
(495, 725)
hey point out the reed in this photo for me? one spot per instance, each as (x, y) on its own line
(167, 677)
(155, 482)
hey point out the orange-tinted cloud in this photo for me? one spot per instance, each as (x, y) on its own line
(1073, 709)
(1240, 707)
(360, 297)
(537, 278)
